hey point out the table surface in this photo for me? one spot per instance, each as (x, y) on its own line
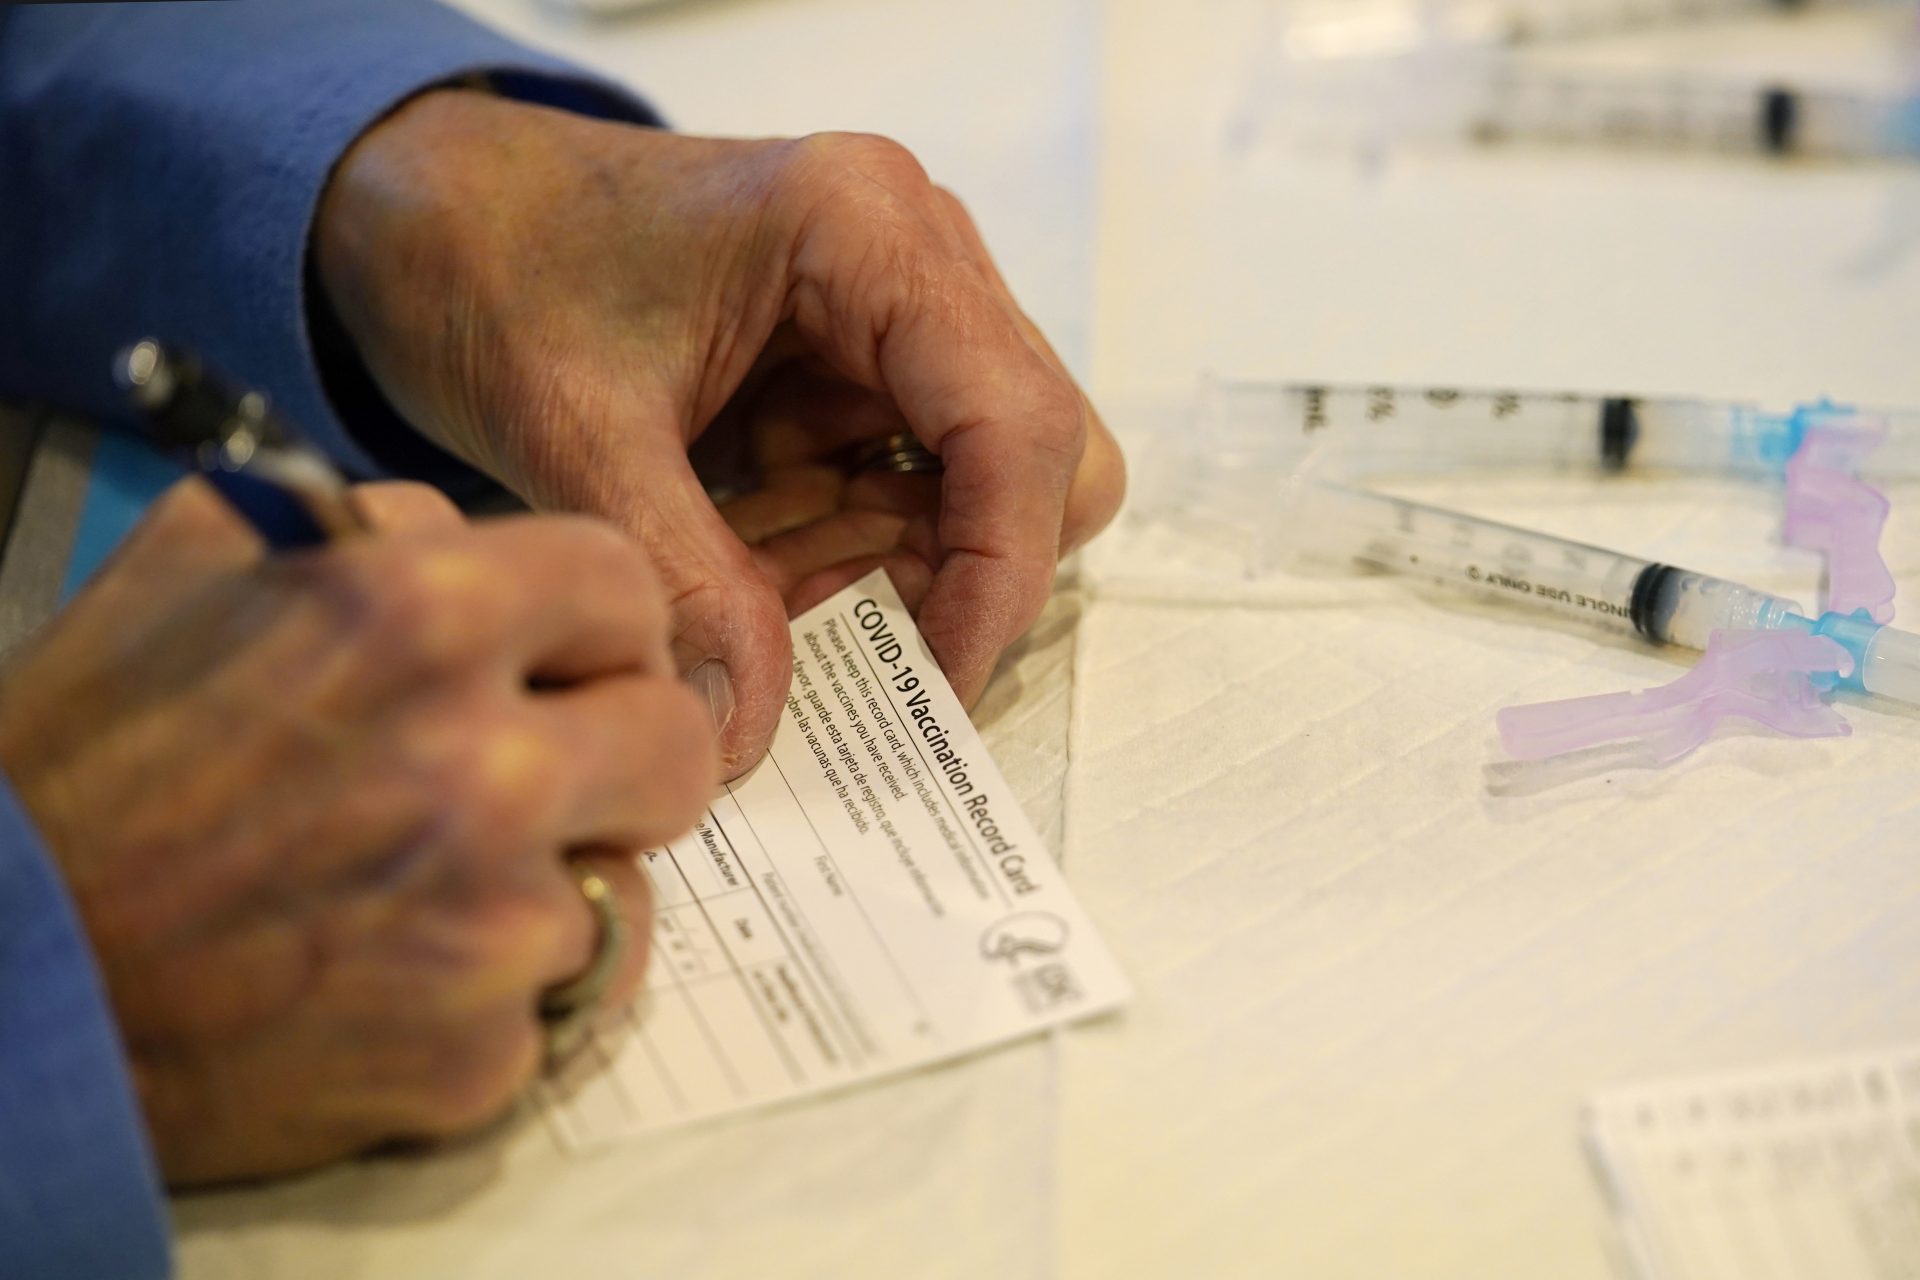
(1375, 979)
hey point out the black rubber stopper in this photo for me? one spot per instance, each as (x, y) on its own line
(1779, 120)
(1646, 594)
(1619, 432)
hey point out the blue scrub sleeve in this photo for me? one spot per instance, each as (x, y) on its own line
(160, 165)
(79, 1195)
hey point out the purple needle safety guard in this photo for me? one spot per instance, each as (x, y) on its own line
(1832, 511)
(1777, 678)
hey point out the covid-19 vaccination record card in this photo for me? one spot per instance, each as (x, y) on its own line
(868, 899)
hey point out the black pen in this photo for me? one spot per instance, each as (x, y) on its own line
(286, 488)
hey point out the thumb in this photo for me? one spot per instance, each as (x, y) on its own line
(403, 507)
(730, 637)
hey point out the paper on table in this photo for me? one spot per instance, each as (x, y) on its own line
(1810, 1170)
(869, 898)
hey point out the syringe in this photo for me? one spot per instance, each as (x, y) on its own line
(1345, 527)
(1525, 20)
(1357, 430)
(1517, 102)
(1346, 27)
(1393, 73)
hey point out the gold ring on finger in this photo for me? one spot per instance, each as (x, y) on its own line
(567, 1008)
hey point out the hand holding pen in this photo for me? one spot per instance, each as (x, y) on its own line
(350, 830)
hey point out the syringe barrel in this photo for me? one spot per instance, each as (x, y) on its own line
(1353, 432)
(1359, 430)
(1710, 437)
(1529, 102)
(1679, 606)
(1854, 125)
(1342, 527)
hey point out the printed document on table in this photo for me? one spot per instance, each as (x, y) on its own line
(868, 899)
(1801, 1172)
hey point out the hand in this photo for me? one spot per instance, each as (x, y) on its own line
(314, 810)
(569, 304)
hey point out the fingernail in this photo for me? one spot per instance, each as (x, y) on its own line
(714, 683)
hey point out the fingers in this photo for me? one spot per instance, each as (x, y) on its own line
(641, 756)
(839, 548)
(505, 1039)
(584, 600)
(730, 629)
(636, 760)
(401, 507)
(844, 535)
(551, 599)
(903, 494)
(1099, 486)
(806, 413)
(788, 499)
(1100, 481)
(641, 767)
(1031, 473)
(896, 307)
(909, 573)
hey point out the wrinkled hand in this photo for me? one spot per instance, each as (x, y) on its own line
(314, 809)
(569, 304)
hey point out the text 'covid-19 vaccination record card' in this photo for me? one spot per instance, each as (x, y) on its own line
(869, 898)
